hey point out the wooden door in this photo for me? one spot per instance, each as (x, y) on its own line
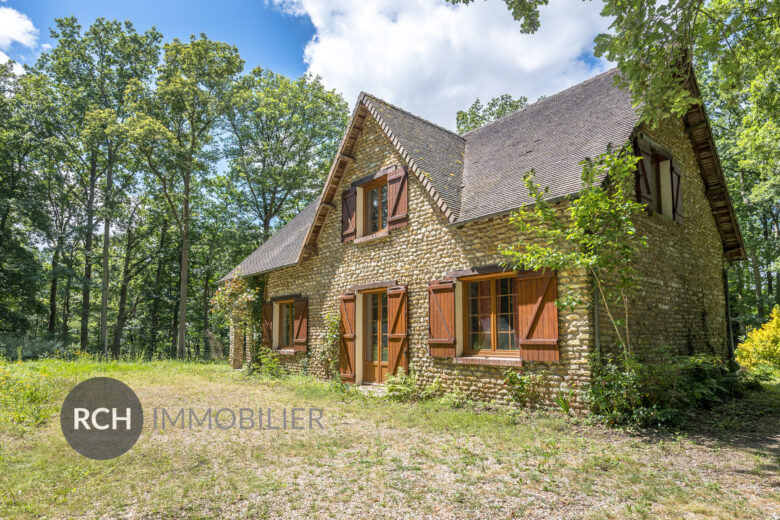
(375, 347)
(347, 343)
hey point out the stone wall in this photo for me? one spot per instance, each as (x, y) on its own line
(680, 302)
(424, 250)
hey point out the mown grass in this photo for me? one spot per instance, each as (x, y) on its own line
(380, 459)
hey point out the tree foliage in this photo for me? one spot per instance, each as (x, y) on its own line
(282, 137)
(113, 142)
(478, 115)
(594, 233)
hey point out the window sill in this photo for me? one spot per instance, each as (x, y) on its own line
(488, 361)
(373, 236)
(285, 351)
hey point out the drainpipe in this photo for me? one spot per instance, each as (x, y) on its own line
(596, 328)
(728, 313)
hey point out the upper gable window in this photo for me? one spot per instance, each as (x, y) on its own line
(659, 184)
(375, 206)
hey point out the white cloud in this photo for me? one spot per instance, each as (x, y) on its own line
(433, 58)
(15, 27)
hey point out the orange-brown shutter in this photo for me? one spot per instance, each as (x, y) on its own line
(268, 325)
(537, 316)
(441, 318)
(397, 198)
(348, 215)
(644, 177)
(347, 343)
(301, 325)
(677, 198)
(397, 340)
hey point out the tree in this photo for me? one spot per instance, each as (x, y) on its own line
(171, 132)
(88, 75)
(595, 232)
(477, 115)
(282, 136)
(21, 215)
(653, 43)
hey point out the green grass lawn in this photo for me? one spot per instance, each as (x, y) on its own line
(374, 459)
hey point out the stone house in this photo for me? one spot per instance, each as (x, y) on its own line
(403, 246)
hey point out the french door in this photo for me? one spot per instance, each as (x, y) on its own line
(375, 356)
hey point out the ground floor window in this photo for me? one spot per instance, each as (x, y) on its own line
(490, 315)
(286, 318)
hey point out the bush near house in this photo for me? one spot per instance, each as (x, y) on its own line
(760, 352)
(629, 391)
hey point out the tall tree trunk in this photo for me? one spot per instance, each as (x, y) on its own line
(106, 271)
(3, 223)
(206, 296)
(185, 253)
(156, 293)
(87, 282)
(757, 282)
(121, 317)
(175, 329)
(65, 332)
(53, 290)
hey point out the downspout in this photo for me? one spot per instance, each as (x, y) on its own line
(596, 328)
(728, 313)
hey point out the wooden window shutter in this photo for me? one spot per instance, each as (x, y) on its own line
(268, 325)
(397, 198)
(397, 339)
(537, 316)
(348, 215)
(347, 342)
(301, 325)
(677, 198)
(645, 180)
(441, 318)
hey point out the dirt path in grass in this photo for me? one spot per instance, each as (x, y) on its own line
(375, 459)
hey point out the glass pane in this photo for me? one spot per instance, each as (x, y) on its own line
(284, 319)
(383, 222)
(504, 323)
(384, 327)
(506, 341)
(373, 201)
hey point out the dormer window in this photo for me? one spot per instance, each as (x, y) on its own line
(375, 206)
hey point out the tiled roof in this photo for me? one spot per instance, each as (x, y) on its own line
(481, 172)
(437, 152)
(552, 137)
(281, 249)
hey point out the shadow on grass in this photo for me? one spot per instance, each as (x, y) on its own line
(751, 422)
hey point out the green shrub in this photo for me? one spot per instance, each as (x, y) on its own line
(524, 389)
(660, 392)
(405, 388)
(15, 348)
(25, 396)
(266, 364)
(760, 352)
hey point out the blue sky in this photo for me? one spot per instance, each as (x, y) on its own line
(427, 56)
(265, 36)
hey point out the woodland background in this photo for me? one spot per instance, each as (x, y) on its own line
(135, 174)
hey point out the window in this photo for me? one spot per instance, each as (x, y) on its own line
(376, 318)
(286, 318)
(659, 182)
(375, 206)
(490, 315)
